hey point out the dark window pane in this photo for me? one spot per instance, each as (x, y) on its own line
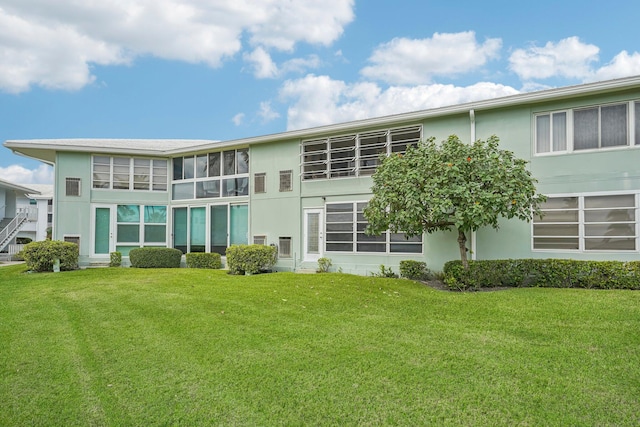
(214, 164)
(585, 129)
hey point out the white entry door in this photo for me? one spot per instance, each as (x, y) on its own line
(313, 234)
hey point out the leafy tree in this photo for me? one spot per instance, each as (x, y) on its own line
(434, 187)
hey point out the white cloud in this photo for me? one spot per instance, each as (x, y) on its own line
(319, 100)
(238, 119)
(53, 44)
(416, 61)
(267, 113)
(568, 58)
(265, 68)
(263, 65)
(622, 65)
(300, 65)
(18, 174)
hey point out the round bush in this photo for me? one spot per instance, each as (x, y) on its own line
(40, 256)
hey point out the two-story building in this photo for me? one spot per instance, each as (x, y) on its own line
(304, 190)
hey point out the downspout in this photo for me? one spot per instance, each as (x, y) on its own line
(472, 121)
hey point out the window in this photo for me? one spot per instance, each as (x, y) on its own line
(260, 183)
(353, 155)
(551, 131)
(125, 173)
(286, 181)
(140, 225)
(212, 175)
(259, 240)
(212, 229)
(587, 223)
(284, 247)
(591, 128)
(72, 186)
(345, 232)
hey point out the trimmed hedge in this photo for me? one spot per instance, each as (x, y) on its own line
(415, 270)
(40, 256)
(155, 257)
(203, 260)
(250, 259)
(548, 273)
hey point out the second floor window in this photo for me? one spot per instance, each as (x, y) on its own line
(126, 173)
(590, 128)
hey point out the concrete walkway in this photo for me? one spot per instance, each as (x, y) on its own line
(8, 263)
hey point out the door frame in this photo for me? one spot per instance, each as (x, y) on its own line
(307, 256)
(112, 223)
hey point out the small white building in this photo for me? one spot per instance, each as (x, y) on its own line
(26, 212)
(40, 226)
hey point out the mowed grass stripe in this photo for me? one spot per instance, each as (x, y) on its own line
(184, 347)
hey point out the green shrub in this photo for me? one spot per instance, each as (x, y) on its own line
(155, 257)
(415, 270)
(40, 256)
(19, 256)
(550, 273)
(250, 259)
(385, 272)
(324, 264)
(115, 259)
(203, 260)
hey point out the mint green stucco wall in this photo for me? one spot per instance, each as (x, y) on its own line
(578, 172)
(73, 214)
(276, 214)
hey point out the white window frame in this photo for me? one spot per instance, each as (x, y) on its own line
(582, 223)
(155, 184)
(354, 241)
(632, 142)
(335, 157)
(211, 179)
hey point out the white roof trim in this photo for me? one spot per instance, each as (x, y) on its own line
(161, 147)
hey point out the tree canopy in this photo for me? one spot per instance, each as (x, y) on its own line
(452, 185)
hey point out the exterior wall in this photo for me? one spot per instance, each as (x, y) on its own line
(601, 170)
(276, 214)
(74, 214)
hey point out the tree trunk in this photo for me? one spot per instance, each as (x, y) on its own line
(462, 243)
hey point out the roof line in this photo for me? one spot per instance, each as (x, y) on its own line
(487, 104)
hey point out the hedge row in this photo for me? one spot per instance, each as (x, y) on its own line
(250, 259)
(203, 260)
(155, 257)
(40, 256)
(548, 273)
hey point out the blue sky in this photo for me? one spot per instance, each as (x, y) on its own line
(227, 69)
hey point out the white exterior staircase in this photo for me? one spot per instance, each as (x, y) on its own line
(10, 227)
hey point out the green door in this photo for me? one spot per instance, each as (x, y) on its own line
(239, 233)
(102, 230)
(218, 226)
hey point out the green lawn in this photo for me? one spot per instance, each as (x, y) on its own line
(124, 347)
